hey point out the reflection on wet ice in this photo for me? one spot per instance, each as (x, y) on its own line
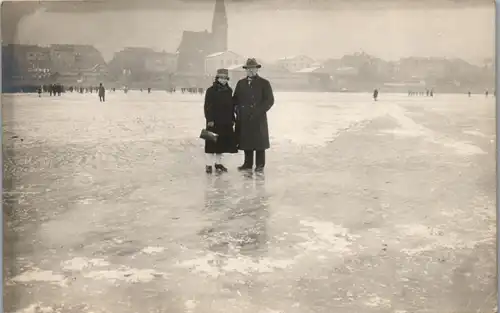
(240, 213)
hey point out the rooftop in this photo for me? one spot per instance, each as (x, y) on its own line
(292, 57)
(194, 41)
(235, 67)
(216, 54)
(309, 69)
(221, 53)
(288, 58)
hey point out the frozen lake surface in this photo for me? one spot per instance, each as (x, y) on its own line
(365, 206)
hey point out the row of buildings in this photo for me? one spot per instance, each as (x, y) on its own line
(29, 65)
(201, 53)
(143, 67)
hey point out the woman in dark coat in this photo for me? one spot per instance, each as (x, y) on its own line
(219, 115)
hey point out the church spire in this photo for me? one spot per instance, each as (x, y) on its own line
(219, 26)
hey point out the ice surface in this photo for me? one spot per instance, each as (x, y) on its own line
(365, 206)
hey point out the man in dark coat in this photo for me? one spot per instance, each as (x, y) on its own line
(253, 97)
(375, 94)
(102, 93)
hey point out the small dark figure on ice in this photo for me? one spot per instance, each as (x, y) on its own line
(102, 93)
(253, 97)
(149, 90)
(56, 89)
(375, 94)
(219, 116)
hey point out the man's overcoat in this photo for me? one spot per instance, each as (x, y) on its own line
(252, 99)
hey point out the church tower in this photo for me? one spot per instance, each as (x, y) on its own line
(219, 27)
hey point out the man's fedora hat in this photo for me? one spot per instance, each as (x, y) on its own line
(252, 63)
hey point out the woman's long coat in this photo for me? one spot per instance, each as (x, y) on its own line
(219, 109)
(252, 99)
(219, 105)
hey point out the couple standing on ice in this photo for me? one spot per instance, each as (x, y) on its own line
(246, 111)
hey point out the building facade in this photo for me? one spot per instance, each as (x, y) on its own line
(140, 67)
(32, 65)
(159, 62)
(280, 77)
(421, 68)
(75, 57)
(28, 63)
(296, 63)
(224, 59)
(77, 64)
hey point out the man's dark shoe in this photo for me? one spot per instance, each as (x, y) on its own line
(220, 168)
(245, 167)
(259, 169)
(208, 169)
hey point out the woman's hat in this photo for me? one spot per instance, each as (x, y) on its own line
(252, 63)
(222, 72)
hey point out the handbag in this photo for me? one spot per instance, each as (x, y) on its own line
(208, 135)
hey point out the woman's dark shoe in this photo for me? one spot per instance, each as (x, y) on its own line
(208, 169)
(259, 169)
(220, 168)
(245, 167)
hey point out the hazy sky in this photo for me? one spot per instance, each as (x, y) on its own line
(269, 33)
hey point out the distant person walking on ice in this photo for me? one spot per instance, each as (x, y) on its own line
(253, 97)
(219, 115)
(375, 94)
(102, 93)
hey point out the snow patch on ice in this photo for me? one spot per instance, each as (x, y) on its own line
(37, 308)
(122, 273)
(152, 250)
(410, 128)
(376, 301)
(216, 264)
(326, 237)
(475, 133)
(190, 305)
(78, 264)
(38, 275)
(126, 274)
(433, 239)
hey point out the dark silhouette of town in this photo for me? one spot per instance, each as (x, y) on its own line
(66, 67)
